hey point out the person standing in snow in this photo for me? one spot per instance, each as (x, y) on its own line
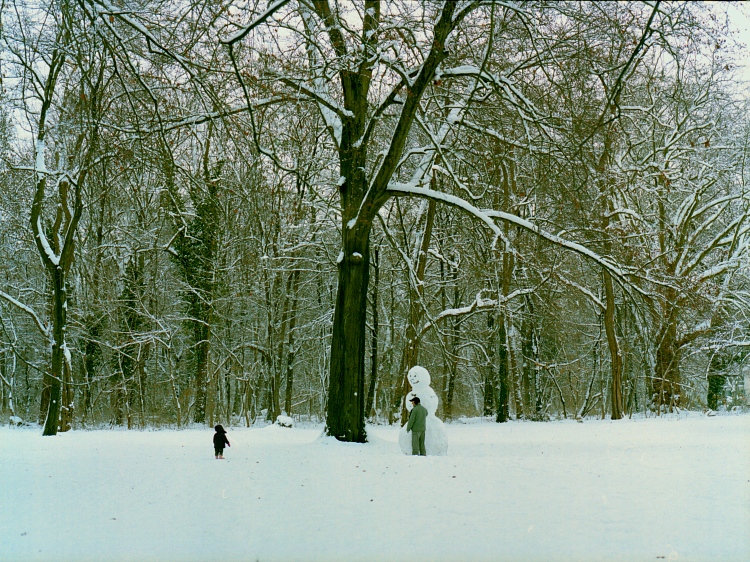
(417, 425)
(220, 439)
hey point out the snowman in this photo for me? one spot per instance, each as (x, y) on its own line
(436, 439)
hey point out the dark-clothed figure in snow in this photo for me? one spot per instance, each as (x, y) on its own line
(220, 439)
(417, 425)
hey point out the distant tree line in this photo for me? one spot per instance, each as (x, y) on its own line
(212, 213)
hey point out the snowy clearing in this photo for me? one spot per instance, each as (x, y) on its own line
(648, 489)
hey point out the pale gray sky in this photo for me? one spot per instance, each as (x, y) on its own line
(739, 20)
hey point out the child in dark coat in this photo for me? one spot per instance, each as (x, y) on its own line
(220, 438)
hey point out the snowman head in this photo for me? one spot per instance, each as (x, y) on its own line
(418, 376)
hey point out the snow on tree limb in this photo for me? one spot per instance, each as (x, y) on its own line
(40, 167)
(48, 252)
(721, 239)
(43, 328)
(587, 293)
(526, 108)
(318, 94)
(426, 163)
(478, 303)
(320, 83)
(413, 189)
(488, 216)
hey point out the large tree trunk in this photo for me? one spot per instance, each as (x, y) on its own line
(528, 371)
(452, 352)
(53, 379)
(91, 361)
(362, 197)
(665, 385)
(605, 190)
(274, 406)
(614, 348)
(7, 396)
(451, 383)
(503, 356)
(67, 406)
(58, 383)
(503, 393)
(58, 390)
(532, 378)
(715, 390)
(290, 349)
(716, 382)
(514, 375)
(374, 339)
(489, 372)
(346, 389)
(201, 333)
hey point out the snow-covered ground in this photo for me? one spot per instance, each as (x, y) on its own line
(645, 489)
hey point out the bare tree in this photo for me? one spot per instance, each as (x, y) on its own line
(68, 96)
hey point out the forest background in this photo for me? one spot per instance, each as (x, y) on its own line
(225, 211)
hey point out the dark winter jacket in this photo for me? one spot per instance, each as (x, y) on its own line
(220, 438)
(417, 419)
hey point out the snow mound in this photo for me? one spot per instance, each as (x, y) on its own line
(284, 421)
(16, 421)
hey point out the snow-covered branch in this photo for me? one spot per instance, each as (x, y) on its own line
(583, 290)
(43, 328)
(44, 243)
(478, 303)
(526, 109)
(718, 241)
(488, 216)
(317, 94)
(414, 190)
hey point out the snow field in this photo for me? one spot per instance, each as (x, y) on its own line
(645, 489)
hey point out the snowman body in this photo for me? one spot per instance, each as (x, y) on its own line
(436, 438)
